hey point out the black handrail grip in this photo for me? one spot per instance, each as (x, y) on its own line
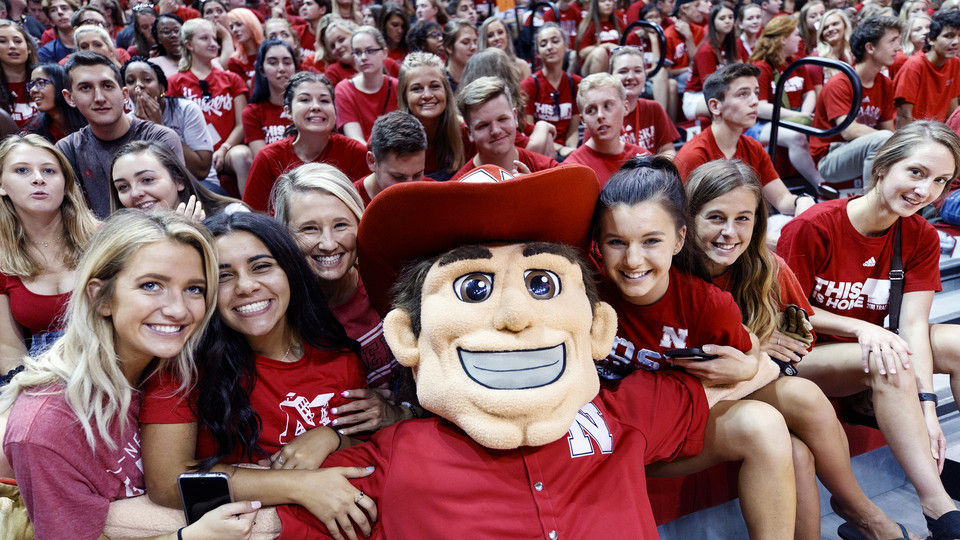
(661, 39)
(536, 7)
(775, 121)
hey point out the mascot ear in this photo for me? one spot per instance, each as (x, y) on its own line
(603, 330)
(398, 331)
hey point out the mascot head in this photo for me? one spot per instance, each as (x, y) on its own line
(493, 307)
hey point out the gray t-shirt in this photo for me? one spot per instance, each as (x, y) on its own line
(91, 158)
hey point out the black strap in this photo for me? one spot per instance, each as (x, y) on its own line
(386, 102)
(896, 282)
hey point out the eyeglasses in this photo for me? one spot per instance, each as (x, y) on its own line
(369, 52)
(93, 22)
(169, 32)
(205, 90)
(435, 35)
(143, 7)
(38, 83)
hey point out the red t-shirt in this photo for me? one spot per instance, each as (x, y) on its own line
(876, 107)
(898, 62)
(23, 107)
(543, 106)
(705, 63)
(476, 492)
(608, 32)
(796, 86)
(604, 164)
(633, 12)
(677, 45)
(649, 126)
(703, 148)
(277, 158)
(47, 36)
(790, 290)
(264, 121)
(363, 323)
(244, 69)
(290, 397)
(224, 87)
(67, 486)
(676, 321)
(337, 72)
(356, 106)
(536, 162)
(37, 313)
(847, 273)
(308, 41)
(929, 89)
(569, 20)
(186, 13)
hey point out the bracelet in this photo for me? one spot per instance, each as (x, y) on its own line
(339, 440)
(926, 396)
(413, 410)
(180, 533)
(797, 198)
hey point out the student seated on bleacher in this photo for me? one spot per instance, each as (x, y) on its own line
(398, 147)
(927, 86)
(850, 153)
(731, 95)
(487, 109)
(601, 97)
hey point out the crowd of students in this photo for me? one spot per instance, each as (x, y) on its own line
(142, 334)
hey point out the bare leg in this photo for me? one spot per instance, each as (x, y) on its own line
(810, 417)
(808, 496)
(673, 99)
(798, 148)
(755, 434)
(238, 161)
(836, 368)
(945, 343)
(596, 62)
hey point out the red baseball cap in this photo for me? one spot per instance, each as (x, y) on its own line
(413, 221)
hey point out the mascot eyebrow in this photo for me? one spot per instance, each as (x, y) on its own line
(465, 253)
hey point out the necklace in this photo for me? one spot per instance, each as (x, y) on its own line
(45, 244)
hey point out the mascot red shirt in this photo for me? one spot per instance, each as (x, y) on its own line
(500, 322)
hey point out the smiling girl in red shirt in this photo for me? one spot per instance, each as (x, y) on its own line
(221, 95)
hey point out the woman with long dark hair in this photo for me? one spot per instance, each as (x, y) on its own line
(263, 119)
(147, 86)
(18, 56)
(55, 119)
(719, 49)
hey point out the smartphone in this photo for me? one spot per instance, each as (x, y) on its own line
(202, 492)
(694, 353)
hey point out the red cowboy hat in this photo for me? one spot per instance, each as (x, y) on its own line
(413, 221)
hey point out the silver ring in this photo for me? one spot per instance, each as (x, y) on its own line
(280, 460)
(360, 496)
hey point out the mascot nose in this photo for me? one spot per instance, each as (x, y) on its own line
(513, 314)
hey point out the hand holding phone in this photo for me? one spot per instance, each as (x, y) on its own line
(202, 492)
(693, 353)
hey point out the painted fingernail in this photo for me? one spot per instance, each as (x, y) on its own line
(371, 468)
(334, 411)
(334, 422)
(345, 393)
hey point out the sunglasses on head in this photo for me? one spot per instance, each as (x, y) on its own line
(205, 90)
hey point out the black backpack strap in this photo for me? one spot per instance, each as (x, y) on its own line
(896, 282)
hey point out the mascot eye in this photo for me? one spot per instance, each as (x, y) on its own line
(473, 288)
(542, 284)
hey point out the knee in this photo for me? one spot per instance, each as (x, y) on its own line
(240, 154)
(758, 427)
(902, 382)
(803, 461)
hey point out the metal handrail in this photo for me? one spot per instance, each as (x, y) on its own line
(542, 4)
(776, 122)
(661, 39)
